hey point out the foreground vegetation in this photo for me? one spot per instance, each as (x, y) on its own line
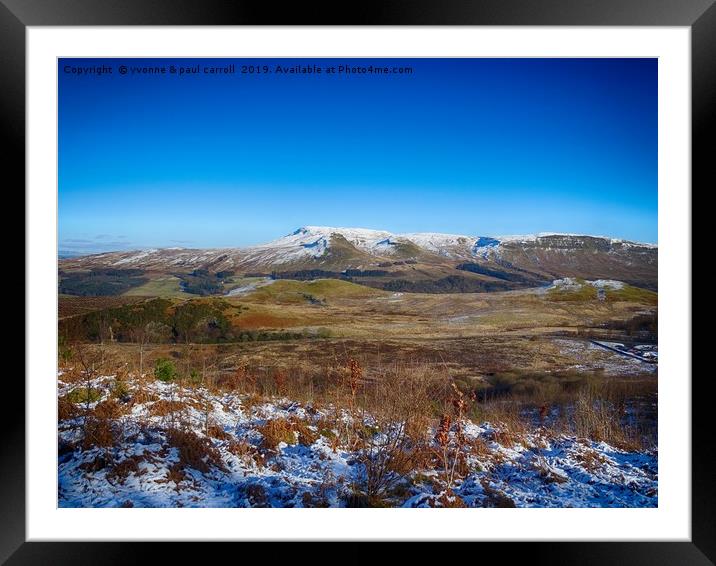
(328, 393)
(194, 426)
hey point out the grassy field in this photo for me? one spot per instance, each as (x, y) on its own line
(354, 311)
(165, 287)
(288, 292)
(470, 335)
(357, 312)
(357, 363)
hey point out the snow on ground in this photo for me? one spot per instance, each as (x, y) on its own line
(245, 289)
(136, 257)
(146, 466)
(573, 284)
(643, 352)
(566, 284)
(592, 357)
(538, 471)
(606, 284)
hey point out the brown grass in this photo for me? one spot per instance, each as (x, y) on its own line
(258, 320)
(306, 434)
(494, 497)
(109, 409)
(602, 420)
(71, 305)
(394, 361)
(164, 407)
(310, 500)
(447, 499)
(66, 409)
(141, 396)
(72, 375)
(120, 471)
(590, 459)
(275, 431)
(194, 451)
(246, 451)
(98, 433)
(479, 448)
(176, 473)
(256, 494)
(215, 431)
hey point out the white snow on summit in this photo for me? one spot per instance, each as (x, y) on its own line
(313, 241)
(310, 242)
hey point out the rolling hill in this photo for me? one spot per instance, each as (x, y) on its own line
(413, 262)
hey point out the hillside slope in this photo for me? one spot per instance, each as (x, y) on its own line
(428, 262)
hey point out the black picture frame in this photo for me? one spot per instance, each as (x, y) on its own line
(699, 15)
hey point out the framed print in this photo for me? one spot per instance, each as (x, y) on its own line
(408, 275)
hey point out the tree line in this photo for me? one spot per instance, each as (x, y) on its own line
(161, 321)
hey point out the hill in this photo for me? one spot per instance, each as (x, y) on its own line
(414, 262)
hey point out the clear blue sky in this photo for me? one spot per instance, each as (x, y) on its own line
(472, 146)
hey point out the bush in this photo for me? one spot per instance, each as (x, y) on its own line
(83, 395)
(99, 432)
(194, 451)
(306, 435)
(194, 377)
(164, 370)
(276, 431)
(66, 410)
(120, 390)
(63, 349)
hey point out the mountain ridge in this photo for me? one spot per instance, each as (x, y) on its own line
(396, 261)
(367, 234)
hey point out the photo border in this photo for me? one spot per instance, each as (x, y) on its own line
(700, 15)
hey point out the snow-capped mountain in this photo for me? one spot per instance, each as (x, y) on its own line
(315, 241)
(517, 260)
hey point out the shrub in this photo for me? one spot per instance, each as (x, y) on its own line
(120, 390)
(63, 349)
(164, 370)
(194, 451)
(98, 433)
(194, 377)
(601, 420)
(108, 409)
(276, 431)
(323, 333)
(306, 435)
(215, 431)
(256, 495)
(66, 409)
(248, 453)
(83, 395)
(120, 471)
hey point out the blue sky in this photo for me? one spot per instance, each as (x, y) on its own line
(470, 146)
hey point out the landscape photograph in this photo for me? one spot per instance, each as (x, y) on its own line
(342, 283)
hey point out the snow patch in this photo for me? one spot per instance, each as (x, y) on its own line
(143, 468)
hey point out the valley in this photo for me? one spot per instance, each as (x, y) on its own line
(242, 377)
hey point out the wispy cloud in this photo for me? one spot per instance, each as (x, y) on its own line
(98, 244)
